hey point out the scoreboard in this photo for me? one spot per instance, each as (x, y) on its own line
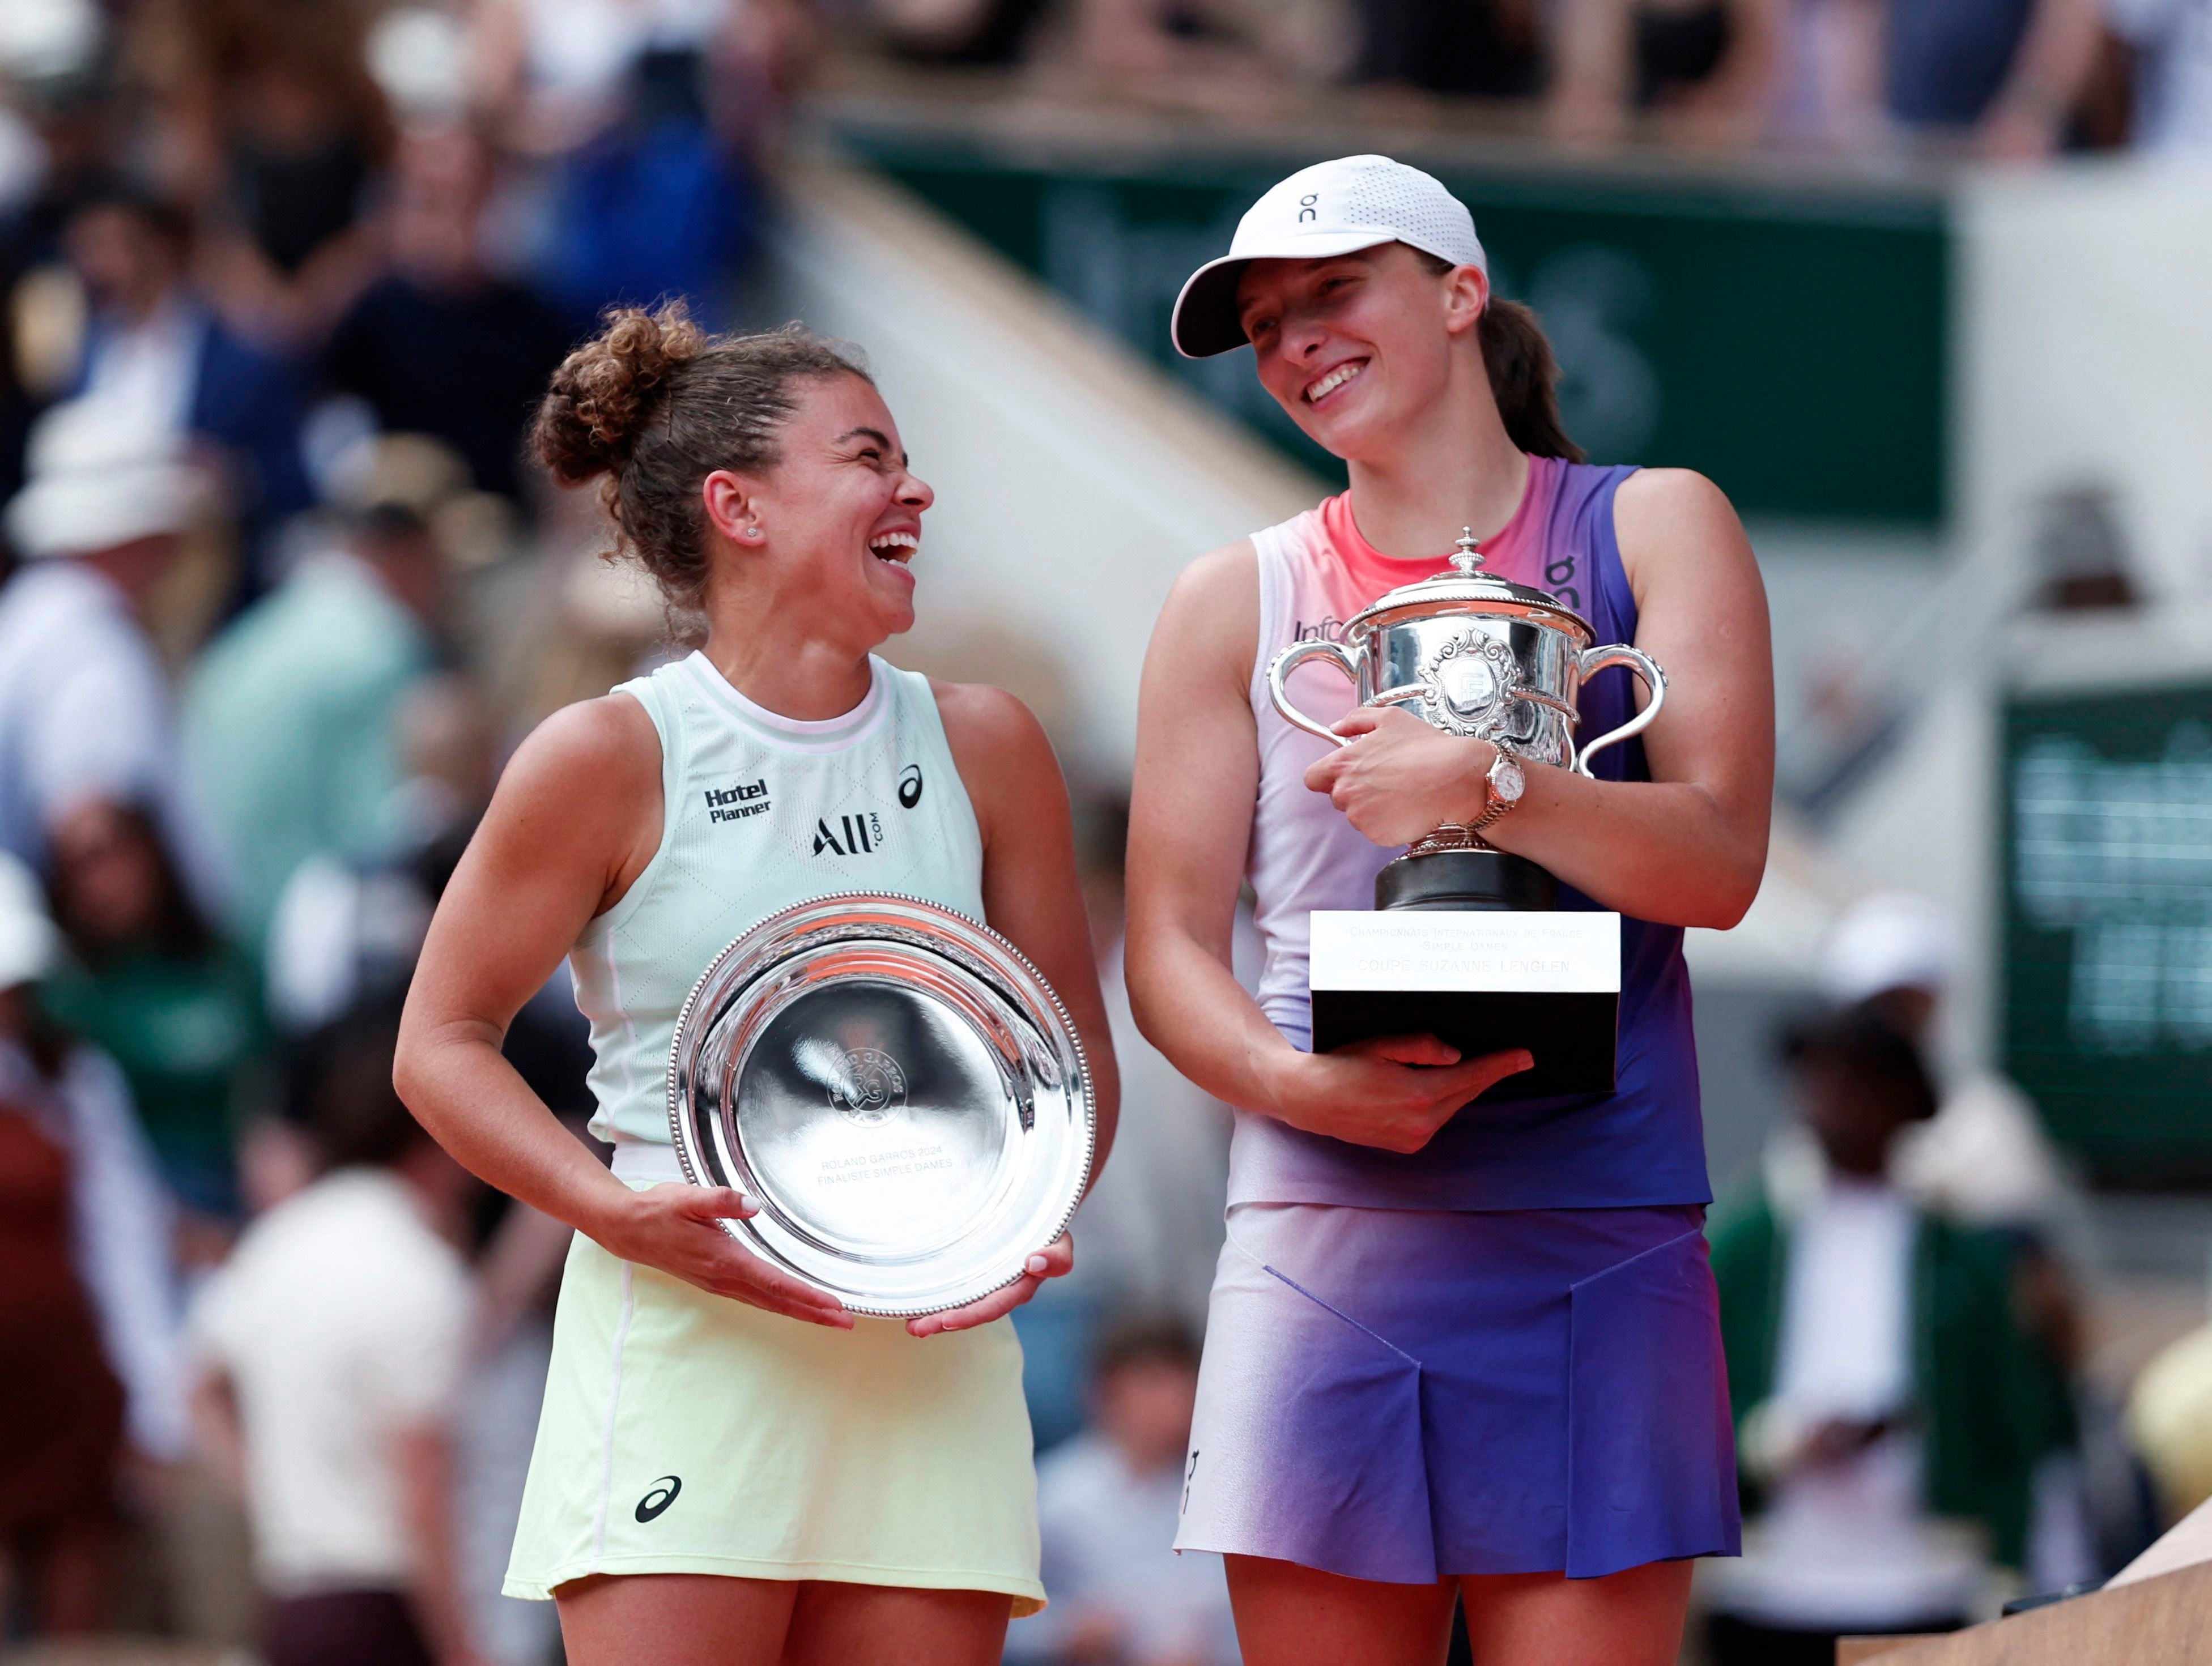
(2105, 830)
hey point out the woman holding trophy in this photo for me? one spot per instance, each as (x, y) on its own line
(1457, 1353)
(731, 1466)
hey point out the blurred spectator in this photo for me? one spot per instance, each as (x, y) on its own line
(84, 708)
(441, 346)
(655, 206)
(331, 1351)
(2172, 41)
(152, 345)
(1710, 68)
(151, 984)
(76, 1150)
(1890, 1409)
(56, 122)
(1107, 1504)
(1983, 1157)
(2170, 1419)
(996, 31)
(278, 133)
(2006, 70)
(1482, 48)
(1152, 1225)
(2080, 552)
(652, 192)
(57, 1485)
(289, 716)
(553, 75)
(1203, 49)
(349, 930)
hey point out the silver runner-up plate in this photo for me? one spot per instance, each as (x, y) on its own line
(898, 1088)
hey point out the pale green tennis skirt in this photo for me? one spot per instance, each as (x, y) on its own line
(686, 1434)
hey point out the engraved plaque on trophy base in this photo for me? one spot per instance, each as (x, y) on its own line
(1483, 981)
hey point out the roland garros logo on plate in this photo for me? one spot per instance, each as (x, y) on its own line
(872, 1088)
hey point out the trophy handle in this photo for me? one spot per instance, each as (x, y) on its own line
(1594, 660)
(1288, 661)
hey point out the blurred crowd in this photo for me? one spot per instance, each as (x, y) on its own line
(278, 592)
(280, 285)
(2012, 79)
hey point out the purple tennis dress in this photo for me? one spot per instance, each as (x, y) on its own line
(1500, 1354)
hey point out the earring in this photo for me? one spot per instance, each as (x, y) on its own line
(752, 535)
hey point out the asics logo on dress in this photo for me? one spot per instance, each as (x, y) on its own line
(850, 835)
(736, 803)
(662, 1495)
(910, 786)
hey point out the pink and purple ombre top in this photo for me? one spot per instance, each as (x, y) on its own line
(1641, 1145)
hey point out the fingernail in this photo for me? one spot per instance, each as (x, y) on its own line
(1037, 1263)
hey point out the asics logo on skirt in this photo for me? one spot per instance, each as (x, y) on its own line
(662, 1495)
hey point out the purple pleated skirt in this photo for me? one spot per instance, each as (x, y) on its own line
(1404, 1395)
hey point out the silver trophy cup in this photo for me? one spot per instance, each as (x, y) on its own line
(1473, 654)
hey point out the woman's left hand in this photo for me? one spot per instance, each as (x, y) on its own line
(1400, 779)
(1055, 1259)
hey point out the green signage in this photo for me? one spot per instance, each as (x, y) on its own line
(1790, 344)
(2106, 841)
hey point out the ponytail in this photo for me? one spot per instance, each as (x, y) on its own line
(1524, 377)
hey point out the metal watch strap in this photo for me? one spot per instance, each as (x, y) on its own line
(1494, 811)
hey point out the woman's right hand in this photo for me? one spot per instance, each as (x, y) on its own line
(1391, 1092)
(677, 1229)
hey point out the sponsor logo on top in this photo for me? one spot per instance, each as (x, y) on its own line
(738, 802)
(850, 835)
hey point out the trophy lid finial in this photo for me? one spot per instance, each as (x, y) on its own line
(1468, 556)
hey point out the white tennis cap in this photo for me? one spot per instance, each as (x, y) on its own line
(29, 945)
(104, 473)
(1885, 941)
(1334, 208)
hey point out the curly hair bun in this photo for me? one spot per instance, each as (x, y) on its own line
(598, 400)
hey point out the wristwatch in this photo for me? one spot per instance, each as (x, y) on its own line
(1507, 782)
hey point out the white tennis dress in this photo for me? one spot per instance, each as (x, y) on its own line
(686, 1434)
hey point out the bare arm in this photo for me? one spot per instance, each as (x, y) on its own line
(1589, 100)
(216, 1434)
(1734, 104)
(1688, 847)
(574, 821)
(1190, 825)
(2027, 119)
(1031, 898)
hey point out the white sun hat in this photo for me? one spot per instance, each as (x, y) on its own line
(1335, 208)
(1887, 941)
(28, 941)
(103, 473)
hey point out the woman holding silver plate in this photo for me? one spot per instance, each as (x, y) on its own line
(730, 1466)
(1457, 1353)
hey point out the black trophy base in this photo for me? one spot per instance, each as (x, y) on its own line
(1572, 1036)
(1481, 882)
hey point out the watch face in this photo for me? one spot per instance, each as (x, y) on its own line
(1506, 779)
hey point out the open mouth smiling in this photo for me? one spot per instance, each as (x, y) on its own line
(1330, 380)
(898, 548)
